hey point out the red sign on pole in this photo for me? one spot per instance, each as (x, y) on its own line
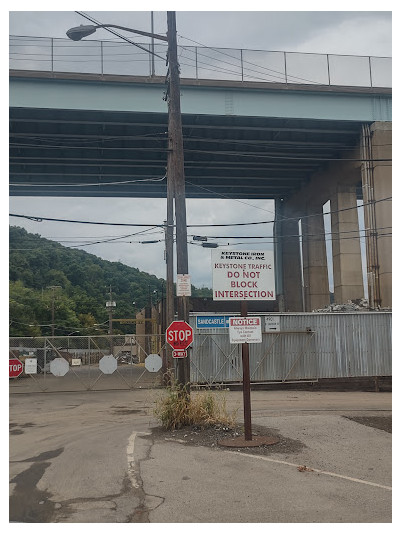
(179, 335)
(16, 367)
(179, 353)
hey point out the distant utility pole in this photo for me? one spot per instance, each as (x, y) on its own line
(53, 297)
(110, 305)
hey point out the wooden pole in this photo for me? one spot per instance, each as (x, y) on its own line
(178, 179)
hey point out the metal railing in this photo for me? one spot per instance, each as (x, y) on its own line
(200, 63)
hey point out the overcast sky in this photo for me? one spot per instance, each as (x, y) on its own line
(334, 32)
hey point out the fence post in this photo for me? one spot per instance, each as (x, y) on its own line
(370, 71)
(52, 54)
(284, 60)
(329, 72)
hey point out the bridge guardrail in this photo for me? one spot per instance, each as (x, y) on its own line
(200, 63)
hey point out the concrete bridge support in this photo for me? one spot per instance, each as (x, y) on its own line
(289, 239)
(377, 186)
(369, 165)
(315, 266)
(346, 248)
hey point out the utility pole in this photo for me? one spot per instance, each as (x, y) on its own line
(176, 175)
(175, 169)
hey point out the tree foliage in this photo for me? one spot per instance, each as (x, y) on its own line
(81, 284)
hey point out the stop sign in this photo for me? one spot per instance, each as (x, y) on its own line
(16, 367)
(179, 335)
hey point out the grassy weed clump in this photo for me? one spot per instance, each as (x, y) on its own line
(177, 408)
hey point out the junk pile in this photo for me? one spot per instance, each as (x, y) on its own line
(350, 306)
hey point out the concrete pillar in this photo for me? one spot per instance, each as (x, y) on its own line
(346, 249)
(382, 182)
(315, 268)
(291, 266)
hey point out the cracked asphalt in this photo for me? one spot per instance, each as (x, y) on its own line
(100, 457)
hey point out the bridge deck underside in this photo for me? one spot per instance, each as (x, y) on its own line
(113, 154)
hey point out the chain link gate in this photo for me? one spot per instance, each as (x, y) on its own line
(83, 355)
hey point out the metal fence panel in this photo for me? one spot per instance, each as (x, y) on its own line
(307, 347)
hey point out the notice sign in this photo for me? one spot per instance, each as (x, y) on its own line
(30, 365)
(245, 330)
(183, 286)
(243, 275)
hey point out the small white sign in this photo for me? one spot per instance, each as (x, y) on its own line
(183, 286)
(244, 330)
(243, 275)
(59, 367)
(30, 366)
(76, 362)
(272, 324)
(108, 364)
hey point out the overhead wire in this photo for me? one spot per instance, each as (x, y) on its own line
(280, 73)
(305, 216)
(74, 185)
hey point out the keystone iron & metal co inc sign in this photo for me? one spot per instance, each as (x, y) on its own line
(243, 275)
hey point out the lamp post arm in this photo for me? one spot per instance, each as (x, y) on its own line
(146, 34)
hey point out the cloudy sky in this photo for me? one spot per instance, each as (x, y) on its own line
(334, 32)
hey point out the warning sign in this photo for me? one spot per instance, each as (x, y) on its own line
(183, 286)
(243, 275)
(245, 330)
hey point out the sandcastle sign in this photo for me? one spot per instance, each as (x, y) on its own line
(243, 275)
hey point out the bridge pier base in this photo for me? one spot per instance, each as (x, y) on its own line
(346, 248)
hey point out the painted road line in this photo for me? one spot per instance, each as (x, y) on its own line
(313, 470)
(131, 460)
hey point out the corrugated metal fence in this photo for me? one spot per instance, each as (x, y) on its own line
(306, 347)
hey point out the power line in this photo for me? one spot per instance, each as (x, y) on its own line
(73, 185)
(40, 219)
(306, 216)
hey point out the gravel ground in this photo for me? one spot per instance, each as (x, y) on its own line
(211, 435)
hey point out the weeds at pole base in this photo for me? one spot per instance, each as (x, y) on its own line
(176, 408)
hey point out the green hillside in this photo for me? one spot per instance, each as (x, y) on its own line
(84, 280)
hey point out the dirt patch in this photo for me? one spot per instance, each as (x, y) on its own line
(384, 423)
(211, 435)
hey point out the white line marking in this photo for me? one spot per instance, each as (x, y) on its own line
(313, 469)
(131, 460)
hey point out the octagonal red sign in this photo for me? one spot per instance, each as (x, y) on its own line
(16, 367)
(179, 335)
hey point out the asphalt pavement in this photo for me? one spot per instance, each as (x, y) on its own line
(93, 457)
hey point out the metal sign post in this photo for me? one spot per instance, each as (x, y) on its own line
(246, 381)
(244, 276)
